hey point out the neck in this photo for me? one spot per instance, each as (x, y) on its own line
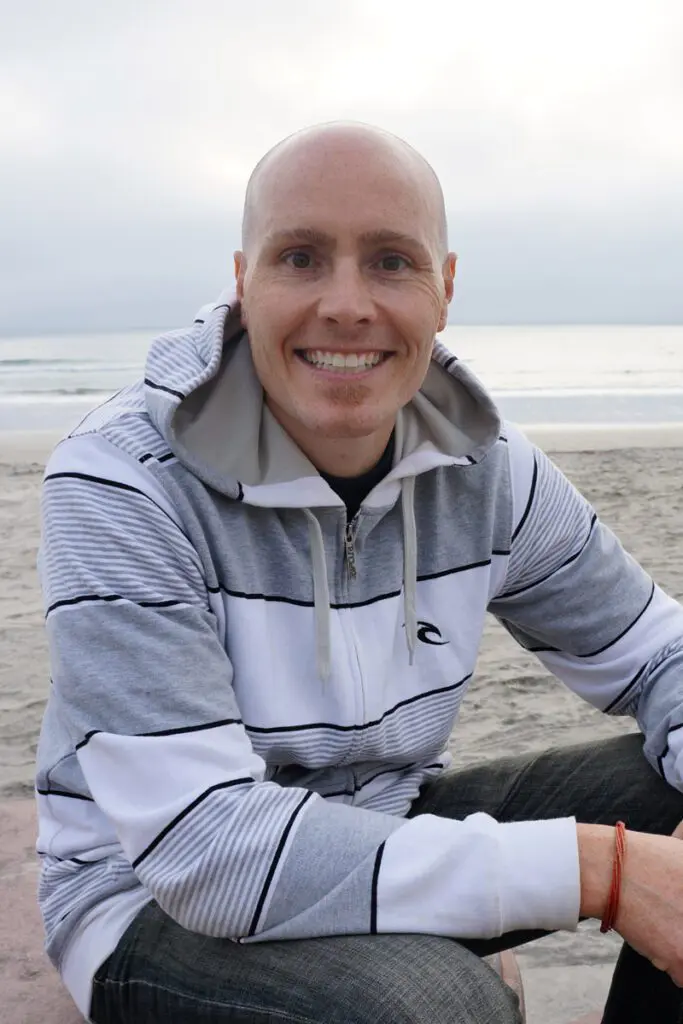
(336, 456)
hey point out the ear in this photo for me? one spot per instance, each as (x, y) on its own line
(448, 286)
(240, 265)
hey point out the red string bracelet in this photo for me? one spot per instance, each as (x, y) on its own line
(612, 908)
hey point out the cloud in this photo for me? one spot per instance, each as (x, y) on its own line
(128, 130)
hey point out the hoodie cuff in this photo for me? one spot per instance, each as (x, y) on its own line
(540, 877)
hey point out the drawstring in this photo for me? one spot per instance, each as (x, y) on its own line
(321, 596)
(409, 563)
(321, 590)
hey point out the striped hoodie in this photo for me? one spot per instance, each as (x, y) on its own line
(248, 693)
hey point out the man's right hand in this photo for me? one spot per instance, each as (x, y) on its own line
(650, 916)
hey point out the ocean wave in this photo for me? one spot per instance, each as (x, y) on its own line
(54, 395)
(20, 367)
(47, 362)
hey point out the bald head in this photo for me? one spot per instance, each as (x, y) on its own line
(314, 150)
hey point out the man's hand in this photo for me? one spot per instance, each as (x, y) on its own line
(650, 916)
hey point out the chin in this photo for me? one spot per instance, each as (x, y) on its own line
(349, 428)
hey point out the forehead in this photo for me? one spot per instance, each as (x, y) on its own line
(346, 189)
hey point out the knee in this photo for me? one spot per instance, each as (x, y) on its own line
(439, 982)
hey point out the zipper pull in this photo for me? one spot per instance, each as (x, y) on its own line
(349, 549)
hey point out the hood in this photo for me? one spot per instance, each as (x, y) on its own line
(204, 397)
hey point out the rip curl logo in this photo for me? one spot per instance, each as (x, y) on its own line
(430, 634)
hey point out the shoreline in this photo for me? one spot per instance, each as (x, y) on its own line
(36, 445)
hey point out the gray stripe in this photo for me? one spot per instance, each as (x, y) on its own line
(341, 846)
(91, 556)
(238, 828)
(196, 679)
(560, 612)
(556, 527)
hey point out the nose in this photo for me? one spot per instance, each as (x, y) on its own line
(346, 299)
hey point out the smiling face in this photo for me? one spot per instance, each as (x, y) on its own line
(344, 281)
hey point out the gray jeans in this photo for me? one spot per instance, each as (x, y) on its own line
(161, 973)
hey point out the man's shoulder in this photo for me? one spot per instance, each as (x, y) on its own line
(123, 419)
(116, 440)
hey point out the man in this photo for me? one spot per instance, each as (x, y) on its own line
(266, 571)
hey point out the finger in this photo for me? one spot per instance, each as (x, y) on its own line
(678, 831)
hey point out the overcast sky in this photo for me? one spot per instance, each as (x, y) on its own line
(128, 129)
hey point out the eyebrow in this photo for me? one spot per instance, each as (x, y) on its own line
(381, 236)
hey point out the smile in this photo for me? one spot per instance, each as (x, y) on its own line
(340, 362)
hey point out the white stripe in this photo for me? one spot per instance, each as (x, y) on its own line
(176, 770)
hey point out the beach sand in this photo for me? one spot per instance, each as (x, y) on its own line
(633, 479)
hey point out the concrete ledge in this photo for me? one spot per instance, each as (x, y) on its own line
(31, 992)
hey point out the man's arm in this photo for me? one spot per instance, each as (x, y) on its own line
(145, 686)
(591, 614)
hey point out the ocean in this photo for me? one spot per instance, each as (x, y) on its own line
(575, 374)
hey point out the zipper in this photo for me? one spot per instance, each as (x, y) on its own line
(349, 550)
(349, 537)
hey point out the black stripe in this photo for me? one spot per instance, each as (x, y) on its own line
(665, 751)
(68, 860)
(503, 438)
(373, 891)
(624, 631)
(618, 699)
(162, 387)
(606, 647)
(572, 558)
(260, 597)
(447, 363)
(107, 598)
(504, 554)
(159, 458)
(261, 730)
(116, 484)
(471, 460)
(274, 864)
(337, 606)
(198, 321)
(167, 732)
(86, 739)
(240, 492)
(527, 510)
(96, 480)
(184, 813)
(191, 728)
(452, 572)
(61, 792)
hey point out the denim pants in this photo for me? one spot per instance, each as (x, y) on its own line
(162, 973)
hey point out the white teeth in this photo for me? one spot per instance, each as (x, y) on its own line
(339, 361)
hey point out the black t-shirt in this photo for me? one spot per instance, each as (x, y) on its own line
(353, 489)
